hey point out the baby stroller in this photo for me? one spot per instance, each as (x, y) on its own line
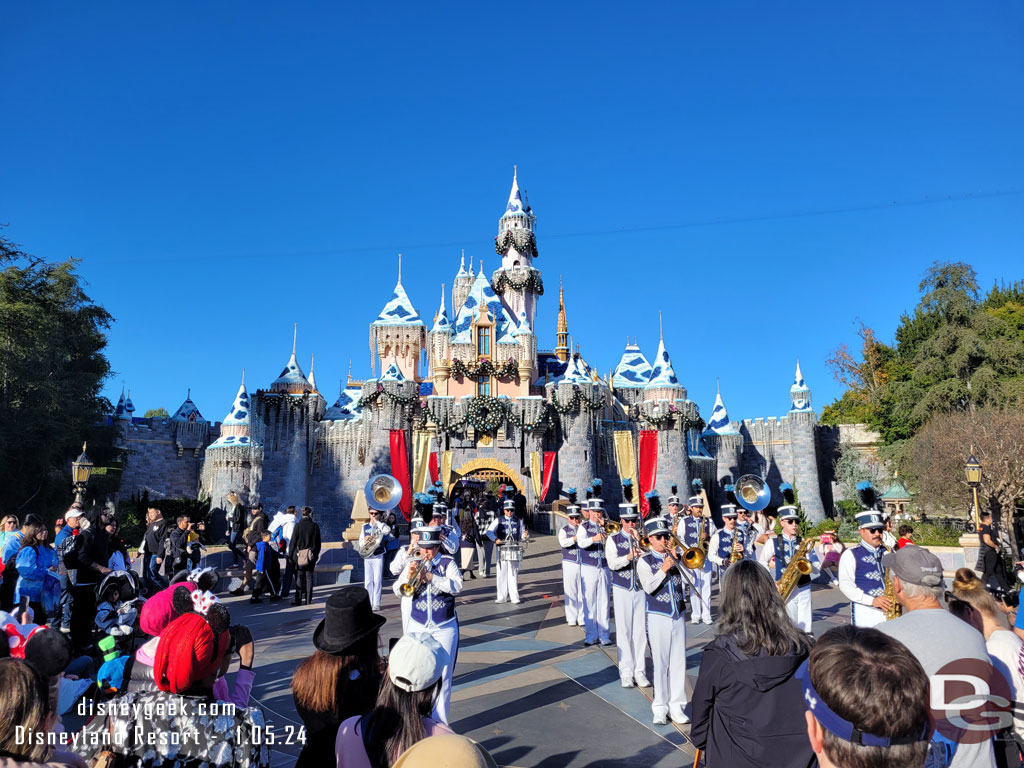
(118, 601)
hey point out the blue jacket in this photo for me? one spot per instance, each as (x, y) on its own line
(32, 564)
(62, 534)
(11, 545)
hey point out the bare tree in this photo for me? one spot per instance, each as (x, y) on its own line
(941, 448)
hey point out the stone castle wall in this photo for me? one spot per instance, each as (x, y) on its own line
(163, 457)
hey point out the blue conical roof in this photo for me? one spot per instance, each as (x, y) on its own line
(347, 405)
(239, 413)
(662, 374)
(399, 310)
(633, 370)
(441, 323)
(186, 410)
(479, 294)
(392, 372)
(719, 423)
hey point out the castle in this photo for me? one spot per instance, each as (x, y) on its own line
(488, 404)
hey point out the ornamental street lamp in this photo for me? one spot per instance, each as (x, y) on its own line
(973, 473)
(81, 469)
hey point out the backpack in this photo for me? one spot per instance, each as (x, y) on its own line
(278, 541)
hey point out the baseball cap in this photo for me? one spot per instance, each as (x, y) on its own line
(446, 750)
(915, 565)
(416, 662)
(73, 512)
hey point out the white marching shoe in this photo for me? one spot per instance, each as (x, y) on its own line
(642, 681)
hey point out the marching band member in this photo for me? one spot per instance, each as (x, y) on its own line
(590, 537)
(505, 530)
(451, 534)
(401, 562)
(622, 550)
(433, 605)
(777, 554)
(692, 530)
(662, 582)
(728, 539)
(861, 576)
(572, 580)
(373, 566)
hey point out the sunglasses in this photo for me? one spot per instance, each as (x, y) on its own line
(658, 536)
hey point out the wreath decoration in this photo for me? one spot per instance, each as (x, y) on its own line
(485, 367)
(532, 282)
(521, 239)
(578, 400)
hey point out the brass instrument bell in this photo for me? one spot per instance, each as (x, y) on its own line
(383, 492)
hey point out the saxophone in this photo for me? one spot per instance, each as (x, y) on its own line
(895, 610)
(739, 544)
(798, 566)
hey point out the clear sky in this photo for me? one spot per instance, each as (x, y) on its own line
(768, 174)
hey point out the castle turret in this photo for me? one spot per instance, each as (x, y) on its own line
(562, 330)
(666, 409)
(462, 284)
(725, 445)
(129, 408)
(631, 375)
(292, 380)
(802, 422)
(398, 332)
(120, 412)
(311, 380)
(440, 339)
(579, 424)
(663, 383)
(518, 283)
(232, 461)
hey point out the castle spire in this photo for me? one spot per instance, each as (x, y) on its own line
(292, 380)
(312, 378)
(719, 423)
(441, 324)
(399, 269)
(800, 393)
(562, 330)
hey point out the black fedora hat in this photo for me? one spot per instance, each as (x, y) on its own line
(348, 618)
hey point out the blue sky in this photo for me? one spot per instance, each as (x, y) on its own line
(766, 174)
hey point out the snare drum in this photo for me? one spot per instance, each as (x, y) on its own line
(512, 553)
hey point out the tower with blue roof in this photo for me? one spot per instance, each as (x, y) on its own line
(804, 455)
(724, 443)
(233, 461)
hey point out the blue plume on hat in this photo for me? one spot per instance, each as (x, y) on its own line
(730, 494)
(697, 484)
(571, 495)
(674, 490)
(627, 490)
(596, 484)
(867, 494)
(788, 494)
(654, 503)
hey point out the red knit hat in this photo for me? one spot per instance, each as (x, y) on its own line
(188, 651)
(158, 611)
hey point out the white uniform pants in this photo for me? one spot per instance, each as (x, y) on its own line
(668, 648)
(595, 603)
(373, 572)
(406, 606)
(700, 592)
(448, 636)
(572, 584)
(867, 616)
(508, 580)
(799, 607)
(630, 632)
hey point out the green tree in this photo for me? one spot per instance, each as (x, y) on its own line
(52, 368)
(157, 413)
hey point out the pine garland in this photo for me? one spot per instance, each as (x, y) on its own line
(521, 239)
(578, 399)
(484, 367)
(532, 282)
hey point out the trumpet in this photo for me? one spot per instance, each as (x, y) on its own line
(641, 541)
(415, 581)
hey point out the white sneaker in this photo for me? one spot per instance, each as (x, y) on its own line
(660, 720)
(500, 600)
(642, 681)
(516, 602)
(581, 623)
(695, 620)
(627, 683)
(707, 620)
(680, 718)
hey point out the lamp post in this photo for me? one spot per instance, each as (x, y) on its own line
(973, 473)
(81, 469)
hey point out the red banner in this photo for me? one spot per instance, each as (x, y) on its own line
(549, 471)
(400, 470)
(648, 460)
(432, 466)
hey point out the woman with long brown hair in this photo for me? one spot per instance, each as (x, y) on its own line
(747, 703)
(342, 677)
(25, 701)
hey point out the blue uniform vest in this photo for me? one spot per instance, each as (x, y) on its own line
(509, 529)
(691, 530)
(594, 554)
(725, 543)
(626, 578)
(868, 575)
(430, 604)
(571, 554)
(784, 551)
(367, 530)
(668, 599)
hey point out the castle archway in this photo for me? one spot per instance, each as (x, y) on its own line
(480, 472)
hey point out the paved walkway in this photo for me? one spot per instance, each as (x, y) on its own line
(525, 686)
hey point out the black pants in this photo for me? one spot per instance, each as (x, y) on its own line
(233, 541)
(994, 575)
(83, 613)
(289, 575)
(264, 583)
(304, 584)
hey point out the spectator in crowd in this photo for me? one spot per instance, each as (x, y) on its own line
(26, 707)
(10, 525)
(193, 651)
(1004, 647)
(236, 524)
(252, 536)
(156, 532)
(89, 558)
(747, 675)
(391, 542)
(472, 540)
(304, 551)
(830, 548)
(906, 536)
(401, 716)
(281, 528)
(63, 543)
(936, 639)
(446, 750)
(867, 701)
(120, 560)
(9, 554)
(34, 561)
(176, 546)
(268, 571)
(989, 562)
(486, 514)
(342, 678)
